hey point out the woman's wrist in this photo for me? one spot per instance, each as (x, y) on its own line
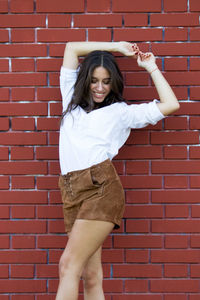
(152, 68)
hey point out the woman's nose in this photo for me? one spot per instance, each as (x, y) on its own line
(99, 86)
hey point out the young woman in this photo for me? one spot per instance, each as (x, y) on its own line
(96, 122)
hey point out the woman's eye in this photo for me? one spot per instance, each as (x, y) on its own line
(106, 81)
(93, 81)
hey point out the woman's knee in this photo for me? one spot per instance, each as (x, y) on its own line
(68, 265)
(92, 277)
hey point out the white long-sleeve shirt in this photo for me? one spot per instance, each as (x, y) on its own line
(87, 139)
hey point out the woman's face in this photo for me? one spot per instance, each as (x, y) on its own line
(100, 85)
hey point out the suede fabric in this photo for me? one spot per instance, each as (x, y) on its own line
(95, 193)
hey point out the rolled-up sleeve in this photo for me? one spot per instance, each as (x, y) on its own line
(67, 80)
(141, 115)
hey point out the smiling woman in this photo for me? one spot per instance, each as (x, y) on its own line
(100, 86)
(96, 122)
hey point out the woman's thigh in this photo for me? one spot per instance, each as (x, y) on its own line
(85, 239)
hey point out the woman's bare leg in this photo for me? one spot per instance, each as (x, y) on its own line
(93, 278)
(84, 240)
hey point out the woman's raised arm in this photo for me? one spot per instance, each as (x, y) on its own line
(75, 49)
(168, 101)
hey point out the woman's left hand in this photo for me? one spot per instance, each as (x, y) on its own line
(147, 61)
(128, 49)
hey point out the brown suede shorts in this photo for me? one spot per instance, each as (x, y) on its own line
(95, 193)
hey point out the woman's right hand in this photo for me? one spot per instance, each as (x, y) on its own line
(128, 49)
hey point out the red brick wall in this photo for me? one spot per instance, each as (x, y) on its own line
(155, 255)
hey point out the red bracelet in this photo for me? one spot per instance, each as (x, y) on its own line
(153, 70)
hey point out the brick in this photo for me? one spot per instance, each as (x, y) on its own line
(23, 65)
(23, 226)
(143, 182)
(3, 9)
(15, 79)
(102, 20)
(195, 269)
(60, 6)
(21, 197)
(140, 79)
(4, 36)
(23, 36)
(4, 95)
(113, 256)
(175, 138)
(194, 63)
(23, 257)
(137, 152)
(176, 211)
(144, 211)
(49, 212)
(22, 153)
(56, 50)
(140, 297)
(53, 138)
(135, 20)
(46, 94)
(55, 109)
(137, 197)
(176, 167)
(4, 65)
(176, 19)
(4, 242)
(175, 64)
(176, 34)
(23, 286)
(179, 271)
(22, 21)
(180, 196)
(194, 34)
(47, 153)
(194, 152)
(138, 34)
(4, 124)
(23, 109)
(23, 212)
(175, 152)
(195, 123)
(175, 226)
(183, 78)
(47, 271)
(47, 183)
(49, 64)
(19, 168)
(30, 138)
(5, 213)
(137, 256)
(195, 241)
(136, 271)
(4, 183)
(194, 93)
(98, 6)
(142, 241)
(22, 271)
(175, 182)
(176, 123)
(51, 241)
(137, 167)
(175, 256)
(23, 94)
(4, 272)
(195, 211)
(180, 286)
(23, 124)
(58, 20)
(3, 153)
(194, 5)
(194, 182)
(23, 242)
(54, 168)
(60, 35)
(23, 50)
(19, 6)
(127, 6)
(99, 35)
(173, 6)
(177, 49)
(48, 123)
(176, 242)
(135, 226)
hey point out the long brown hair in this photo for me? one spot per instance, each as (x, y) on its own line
(81, 96)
